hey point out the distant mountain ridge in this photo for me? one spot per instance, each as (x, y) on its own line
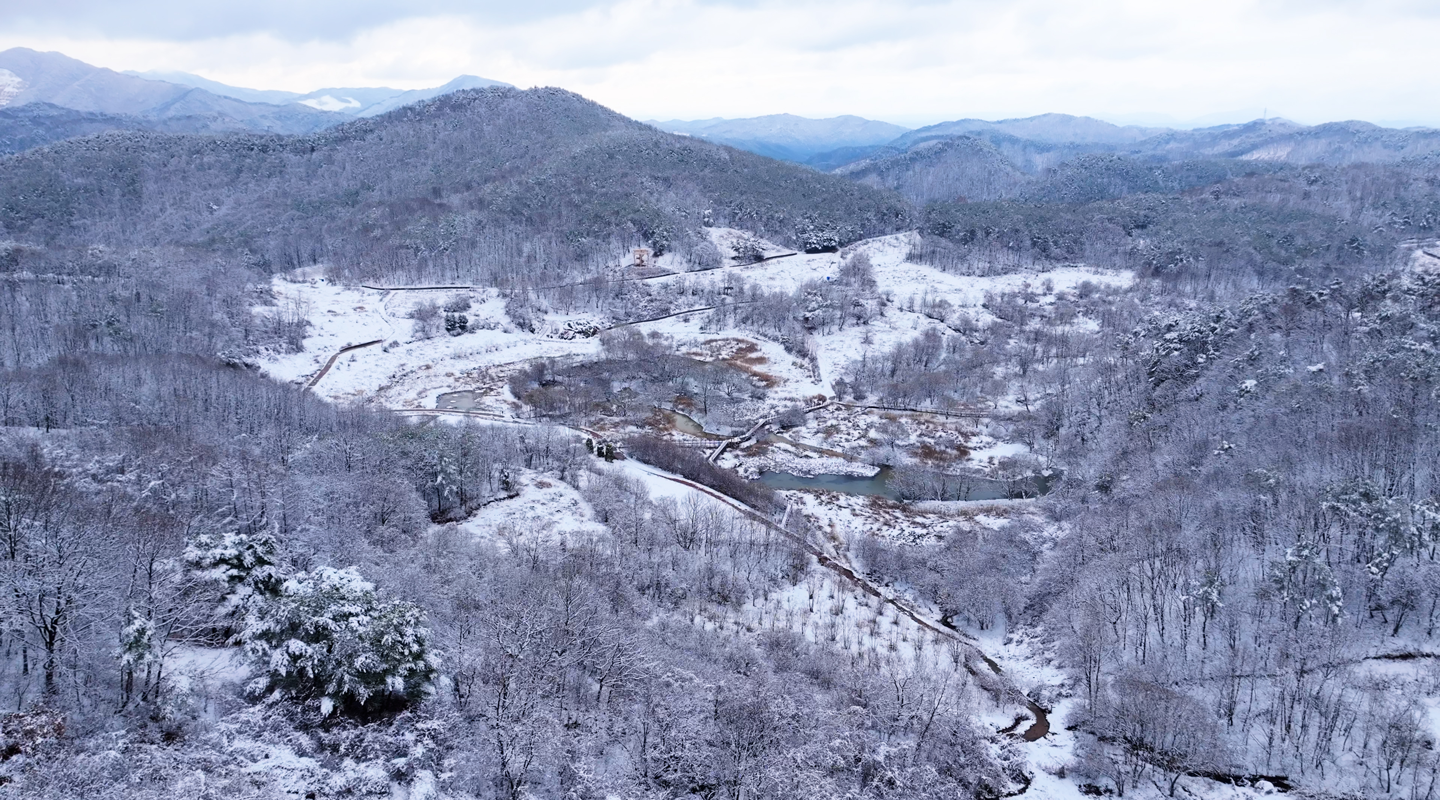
(786, 136)
(36, 77)
(48, 97)
(979, 160)
(355, 101)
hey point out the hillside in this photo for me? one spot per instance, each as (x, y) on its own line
(473, 172)
(944, 169)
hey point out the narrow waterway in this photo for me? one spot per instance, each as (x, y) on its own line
(877, 485)
(690, 427)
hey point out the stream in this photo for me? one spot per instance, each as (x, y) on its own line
(689, 426)
(881, 484)
(876, 485)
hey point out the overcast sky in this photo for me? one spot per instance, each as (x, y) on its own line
(911, 62)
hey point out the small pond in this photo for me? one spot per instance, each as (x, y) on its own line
(458, 401)
(879, 485)
(876, 485)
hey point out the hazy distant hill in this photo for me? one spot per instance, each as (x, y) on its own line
(786, 136)
(272, 96)
(36, 124)
(356, 102)
(1055, 157)
(1046, 128)
(63, 81)
(1333, 143)
(499, 175)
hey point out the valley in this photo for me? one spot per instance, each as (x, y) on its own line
(501, 446)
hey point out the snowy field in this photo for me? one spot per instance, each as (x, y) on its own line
(405, 372)
(902, 280)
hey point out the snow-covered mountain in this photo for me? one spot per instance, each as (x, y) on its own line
(417, 95)
(29, 76)
(46, 97)
(1047, 128)
(366, 101)
(786, 136)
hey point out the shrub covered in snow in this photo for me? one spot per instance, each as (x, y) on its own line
(747, 248)
(815, 236)
(329, 641)
(457, 303)
(456, 324)
(245, 564)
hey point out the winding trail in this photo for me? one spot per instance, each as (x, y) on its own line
(1041, 719)
(1034, 732)
(415, 288)
(657, 319)
(328, 364)
(902, 409)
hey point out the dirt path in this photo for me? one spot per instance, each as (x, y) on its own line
(657, 319)
(415, 288)
(1034, 732)
(328, 364)
(1037, 730)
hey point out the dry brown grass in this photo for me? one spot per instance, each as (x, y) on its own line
(759, 448)
(657, 421)
(741, 354)
(943, 453)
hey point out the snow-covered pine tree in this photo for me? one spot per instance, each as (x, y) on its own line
(329, 641)
(138, 653)
(244, 563)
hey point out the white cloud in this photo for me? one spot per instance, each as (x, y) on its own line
(908, 62)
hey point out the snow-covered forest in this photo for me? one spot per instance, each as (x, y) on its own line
(504, 447)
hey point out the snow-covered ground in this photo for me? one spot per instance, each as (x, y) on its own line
(900, 279)
(403, 372)
(544, 512)
(407, 372)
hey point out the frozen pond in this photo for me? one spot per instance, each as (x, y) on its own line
(458, 401)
